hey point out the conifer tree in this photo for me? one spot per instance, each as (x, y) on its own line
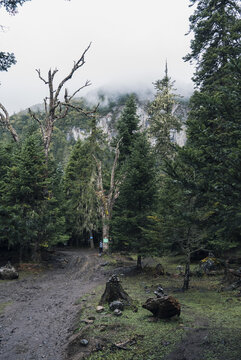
(136, 201)
(213, 128)
(80, 187)
(127, 127)
(161, 118)
(31, 212)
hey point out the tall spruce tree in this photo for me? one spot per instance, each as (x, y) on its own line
(127, 128)
(214, 124)
(161, 118)
(30, 213)
(216, 44)
(80, 187)
(136, 201)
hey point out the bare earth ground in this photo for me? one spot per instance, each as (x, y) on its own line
(42, 308)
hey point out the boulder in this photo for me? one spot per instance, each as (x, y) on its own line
(8, 272)
(117, 312)
(84, 342)
(163, 307)
(116, 305)
(99, 309)
(160, 292)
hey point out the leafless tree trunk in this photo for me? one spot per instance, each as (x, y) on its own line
(54, 108)
(91, 240)
(5, 121)
(107, 200)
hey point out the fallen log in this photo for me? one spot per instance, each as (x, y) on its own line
(163, 307)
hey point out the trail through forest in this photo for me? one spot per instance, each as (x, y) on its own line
(41, 311)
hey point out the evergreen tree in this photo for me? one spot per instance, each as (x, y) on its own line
(6, 150)
(31, 214)
(161, 118)
(213, 128)
(80, 179)
(216, 44)
(127, 127)
(136, 201)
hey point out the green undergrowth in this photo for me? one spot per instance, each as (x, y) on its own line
(204, 306)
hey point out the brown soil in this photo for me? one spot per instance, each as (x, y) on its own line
(42, 309)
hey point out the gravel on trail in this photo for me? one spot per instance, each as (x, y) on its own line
(42, 308)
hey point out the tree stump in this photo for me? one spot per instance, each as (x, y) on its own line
(114, 291)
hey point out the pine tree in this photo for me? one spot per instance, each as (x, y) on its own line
(30, 210)
(213, 128)
(216, 44)
(127, 127)
(136, 201)
(80, 180)
(161, 118)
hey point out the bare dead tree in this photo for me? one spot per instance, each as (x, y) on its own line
(5, 121)
(54, 108)
(107, 201)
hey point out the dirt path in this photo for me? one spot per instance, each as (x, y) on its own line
(36, 324)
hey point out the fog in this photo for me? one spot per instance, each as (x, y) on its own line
(130, 43)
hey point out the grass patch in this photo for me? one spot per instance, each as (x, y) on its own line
(203, 306)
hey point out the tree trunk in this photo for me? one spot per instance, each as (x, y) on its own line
(187, 271)
(114, 291)
(20, 254)
(36, 255)
(91, 240)
(138, 264)
(105, 234)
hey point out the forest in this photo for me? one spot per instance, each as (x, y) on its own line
(132, 186)
(138, 189)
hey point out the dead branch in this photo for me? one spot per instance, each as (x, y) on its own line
(76, 66)
(53, 107)
(5, 121)
(41, 78)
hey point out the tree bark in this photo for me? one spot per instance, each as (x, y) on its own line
(187, 271)
(139, 264)
(91, 240)
(105, 234)
(54, 108)
(114, 291)
(36, 254)
(107, 201)
(5, 121)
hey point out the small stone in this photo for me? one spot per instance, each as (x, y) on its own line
(100, 309)
(84, 342)
(103, 328)
(104, 264)
(117, 312)
(116, 305)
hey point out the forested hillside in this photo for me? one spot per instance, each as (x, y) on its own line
(162, 171)
(144, 187)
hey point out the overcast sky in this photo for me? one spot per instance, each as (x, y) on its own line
(131, 40)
